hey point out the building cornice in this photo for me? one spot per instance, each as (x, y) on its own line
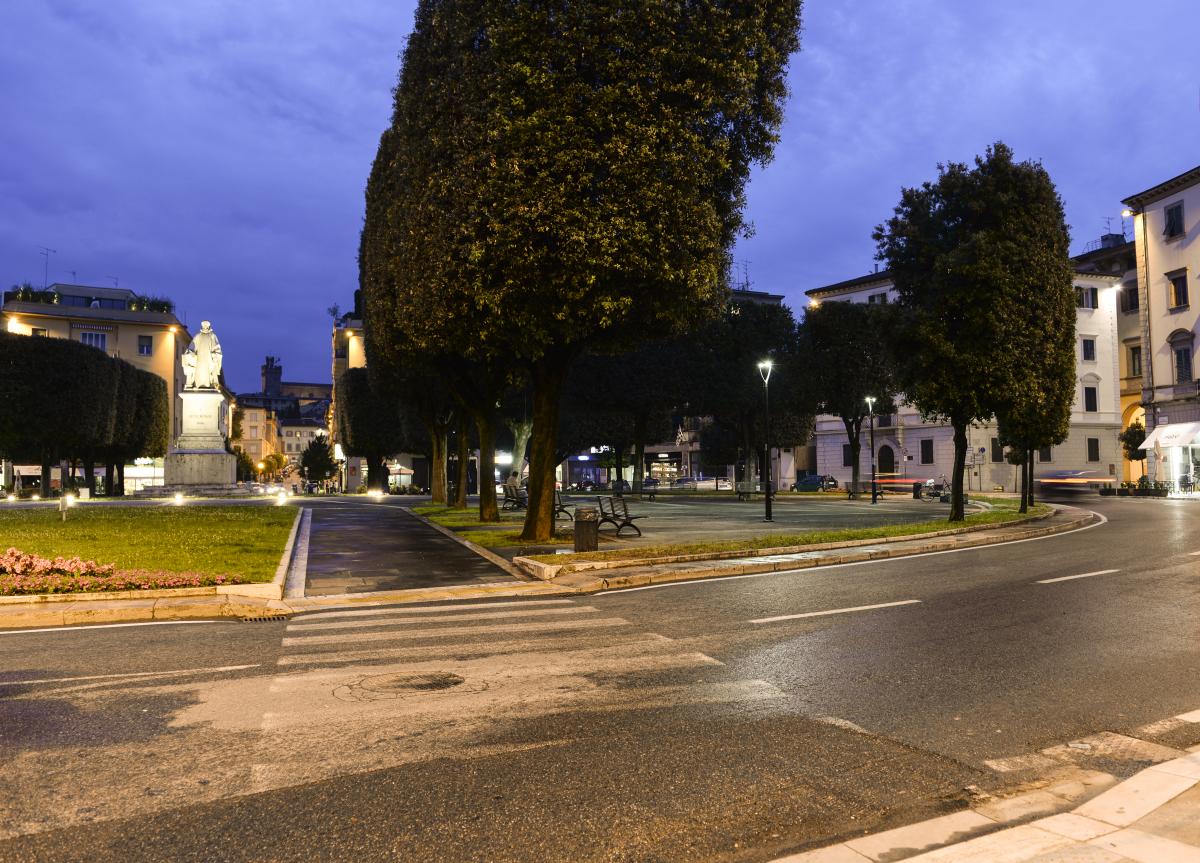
(1162, 190)
(851, 285)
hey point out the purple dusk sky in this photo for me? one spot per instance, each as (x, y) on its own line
(215, 152)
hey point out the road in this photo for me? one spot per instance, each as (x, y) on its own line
(707, 721)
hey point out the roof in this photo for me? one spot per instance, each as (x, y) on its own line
(301, 421)
(882, 278)
(1162, 190)
(48, 310)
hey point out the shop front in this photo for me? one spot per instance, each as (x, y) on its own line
(1174, 454)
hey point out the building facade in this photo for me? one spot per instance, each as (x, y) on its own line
(260, 432)
(909, 449)
(143, 332)
(1166, 226)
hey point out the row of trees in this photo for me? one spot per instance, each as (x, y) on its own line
(65, 401)
(558, 180)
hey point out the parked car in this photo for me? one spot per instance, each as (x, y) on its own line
(815, 482)
(619, 485)
(685, 482)
(650, 483)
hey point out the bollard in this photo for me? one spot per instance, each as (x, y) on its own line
(587, 528)
(917, 486)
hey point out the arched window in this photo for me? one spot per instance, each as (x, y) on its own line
(1181, 355)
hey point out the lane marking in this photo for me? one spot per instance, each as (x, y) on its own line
(399, 608)
(1194, 553)
(84, 628)
(554, 647)
(835, 611)
(1073, 577)
(816, 569)
(135, 674)
(364, 623)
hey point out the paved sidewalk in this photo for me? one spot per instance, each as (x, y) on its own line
(1151, 817)
(360, 548)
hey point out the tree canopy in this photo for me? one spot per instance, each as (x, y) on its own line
(980, 261)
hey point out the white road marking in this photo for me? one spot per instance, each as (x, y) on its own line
(835, 611)
(382, 609)
(363, 623)
(1194, 553)
(507, 649)
(1073, 577)
(86, 627)
(455, 631)
(816, 569)
(130, 676)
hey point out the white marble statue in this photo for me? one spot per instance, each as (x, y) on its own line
(202, 360)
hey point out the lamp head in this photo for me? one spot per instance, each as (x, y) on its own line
(764, 369)
(1126, 213)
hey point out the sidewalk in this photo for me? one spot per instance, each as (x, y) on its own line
(1151, 817)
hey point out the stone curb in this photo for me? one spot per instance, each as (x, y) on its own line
(587, 583)
(1073, 808)
(549, 571)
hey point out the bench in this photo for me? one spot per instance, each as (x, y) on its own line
(615, 511)
(559, 506)
(747, 490)
(514, 501)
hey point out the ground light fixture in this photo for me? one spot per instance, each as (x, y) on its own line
(71, 500)
(11, 498)
(280, 499)
(179, 498)
(874, 485)
(764, 370)
(35, 497)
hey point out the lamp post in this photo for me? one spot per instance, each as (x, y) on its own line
(764, 369)
(261, 467)
(874, 485)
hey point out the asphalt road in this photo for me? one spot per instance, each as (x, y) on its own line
(679, 722)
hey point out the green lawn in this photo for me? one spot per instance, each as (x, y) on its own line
(1004, 511)
(244, 541)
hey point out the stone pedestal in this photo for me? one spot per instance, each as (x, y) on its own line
(198, 457)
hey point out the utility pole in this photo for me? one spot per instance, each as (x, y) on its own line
(46, 253)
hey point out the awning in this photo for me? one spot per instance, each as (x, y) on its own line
(1172, 434)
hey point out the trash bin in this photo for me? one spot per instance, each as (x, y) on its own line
(587, 528)
(917, 486)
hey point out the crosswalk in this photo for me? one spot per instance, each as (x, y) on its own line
(530, 657)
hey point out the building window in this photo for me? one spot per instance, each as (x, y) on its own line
(1174, 221)
(877, 299)
(847, 455)
(254, 431)
(38, 331)
(145, 346)
(1177, 290)
(1044, 454)
(1135, 362)
(1090, 399)
(997, 450)
(1130, 299)
(1183, 365)
(927, 451)
(1087, 298)
(96, 340)
(1093, 447)
(1089, 350)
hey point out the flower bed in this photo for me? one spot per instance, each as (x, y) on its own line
(22, 573)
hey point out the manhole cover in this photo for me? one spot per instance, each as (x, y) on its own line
(379, 687)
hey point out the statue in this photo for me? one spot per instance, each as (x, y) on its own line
(202, 360)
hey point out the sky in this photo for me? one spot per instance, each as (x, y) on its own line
(215, 152)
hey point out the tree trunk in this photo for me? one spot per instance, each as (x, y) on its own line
(381, 469)
(437, 464)
(639, 451)
(485, 425)
(548, 376)
(957, 511)
(1029, 484)
(121, 478)
(1024, 490)
(521, 432)
(853, 433)
(89, 467)
(110, 481)
(464, 457)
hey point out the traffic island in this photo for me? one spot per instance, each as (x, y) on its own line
(636, 567)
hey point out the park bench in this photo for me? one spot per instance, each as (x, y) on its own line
(559, 506)
(615, 511)
(513, 501)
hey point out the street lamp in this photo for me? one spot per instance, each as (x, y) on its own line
(874, 486)
(261, 468)
(764, 369)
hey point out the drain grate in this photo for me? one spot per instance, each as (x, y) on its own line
(264, 618)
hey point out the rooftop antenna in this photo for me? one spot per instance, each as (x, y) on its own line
(46, 253)
(72, 272)
(115, 280)
(1108, 225)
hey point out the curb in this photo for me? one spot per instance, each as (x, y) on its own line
(548, 571)
(746, 565)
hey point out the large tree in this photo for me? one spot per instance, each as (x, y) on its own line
(845, 351)
(564, 175)
(980, 260)
(369, 424)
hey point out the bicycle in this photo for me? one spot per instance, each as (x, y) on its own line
(934, 489)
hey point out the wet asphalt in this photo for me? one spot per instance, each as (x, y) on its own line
(669, 726)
